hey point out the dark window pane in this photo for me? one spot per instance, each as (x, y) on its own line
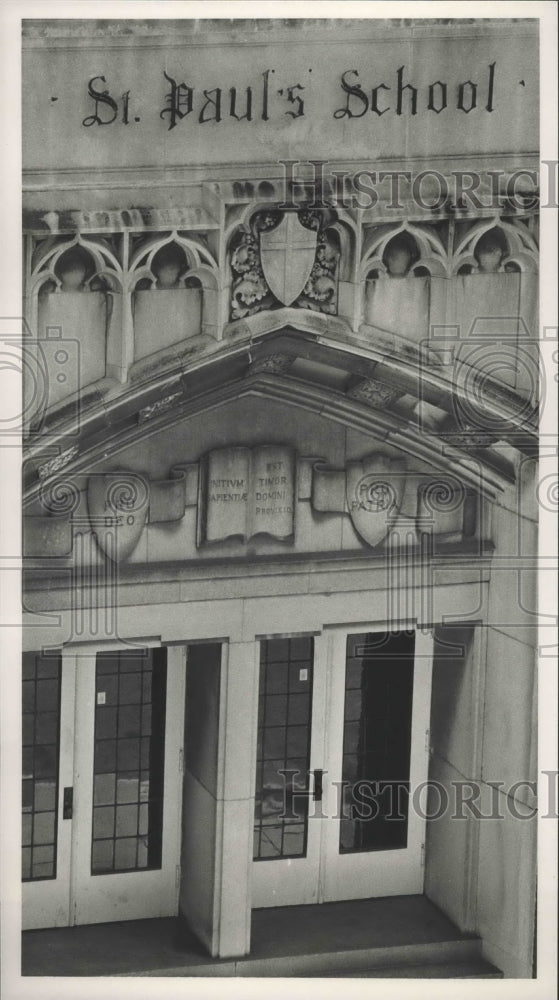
(105, 722)
(103, 822)
(276, 710)
(146, 720)
(377, 740)
(104, 789)
(276, 679)
(144, 786)
(43, 855)
(271, 841)
(102, 856)
(146, 746)
(46, 762)
(48, 666)
(106, 664)
(43, 828)
(26, 863)
(298, 709)
(28, 729)
(46, 727)
(301, 648)
(126, 821)
(274, 742)
(28, 696)
(26, 828)
(130, 689)
(27, 762)
(283, 748)
(297, 738)
(105, 756)
(27, 789)
(125, 853)
(143, 818)
(129, 720)
(45, 796)
(41, 722)
(127, 787)
(28, 666)
(277, 649)
(107, 688)
(47, 695)
(133, 664)
(128, 755)
(42, 870)
(299, 677)
(129, 767)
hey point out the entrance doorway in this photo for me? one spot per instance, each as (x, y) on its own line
(342, 739)
(102, 788)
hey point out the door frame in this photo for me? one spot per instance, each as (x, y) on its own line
(368, 874)
(68, 899)
(325, 875)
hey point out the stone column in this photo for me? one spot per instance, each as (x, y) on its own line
(239, 704)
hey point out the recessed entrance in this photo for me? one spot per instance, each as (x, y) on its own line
(342, 725)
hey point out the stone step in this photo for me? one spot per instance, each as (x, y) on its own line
(461, 951)
(394, 937)
(447, 970)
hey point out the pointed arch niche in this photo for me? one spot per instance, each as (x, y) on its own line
(75, 312)
(397, 267)
(173, 286)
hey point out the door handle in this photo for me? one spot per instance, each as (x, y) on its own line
(317, 785)
(68, 803)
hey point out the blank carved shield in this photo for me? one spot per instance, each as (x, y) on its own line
(374, 492)
(118, 504)
(287, 256)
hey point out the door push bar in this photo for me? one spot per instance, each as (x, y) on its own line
(68, 803)
(317, 785)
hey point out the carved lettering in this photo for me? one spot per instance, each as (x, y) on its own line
(258, 101)
(101, 97)
(248, 492)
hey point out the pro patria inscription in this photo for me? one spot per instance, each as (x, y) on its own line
(247, 492)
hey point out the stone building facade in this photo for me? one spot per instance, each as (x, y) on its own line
(281, 472)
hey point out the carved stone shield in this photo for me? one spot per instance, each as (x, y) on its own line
(374, 492)
(118, 504)
(287, 256)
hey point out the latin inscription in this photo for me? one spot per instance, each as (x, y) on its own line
(249, 492)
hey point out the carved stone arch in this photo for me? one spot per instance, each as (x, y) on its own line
(518, 247)
(141, 265)
(430, 252)
(103, 273)
(347, 234)
(206, 278)
(104, 263)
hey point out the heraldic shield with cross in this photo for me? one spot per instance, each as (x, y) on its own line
(287, 256)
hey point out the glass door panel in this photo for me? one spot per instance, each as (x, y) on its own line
(290, 746)
(377, 753)
(41, 743)
(128, 763)
(283, 748)
(48, 683)
(128, 785)
(376, 741)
